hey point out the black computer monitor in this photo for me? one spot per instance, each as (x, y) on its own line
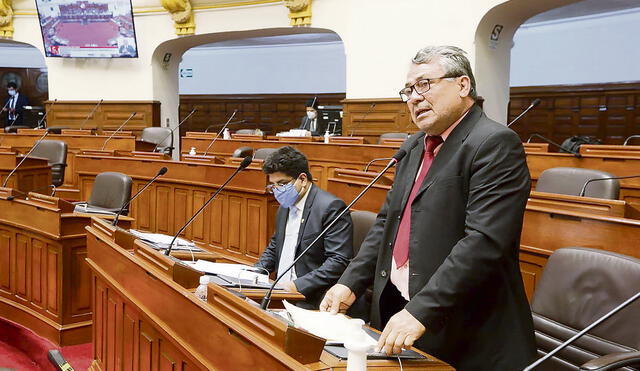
(330, 119)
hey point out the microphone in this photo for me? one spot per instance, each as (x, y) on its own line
(629, 138)
(90, 114)
(161, 172)
(366, 168)
(586, 329)
(172, 130)
(531, 106)
(117, 130)
(373, 105)
(584, 187)
(45, 114)
(577, 154)
(14, 121)
(36, 144)
(220, 132)
(246, 162)
(231, 123)
(394, 160)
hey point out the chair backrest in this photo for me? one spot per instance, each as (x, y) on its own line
(156, 135)
(245, 131)
(578, 286)
(362, 223)
(110, 191)
(392, 136)
(242, 152)
(55, 151)
(570, 180)
(263, 153)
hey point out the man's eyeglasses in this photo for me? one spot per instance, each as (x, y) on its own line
(421, 86)
(279, 186)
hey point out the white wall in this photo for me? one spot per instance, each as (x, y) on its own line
(591, 49)
(265, 69)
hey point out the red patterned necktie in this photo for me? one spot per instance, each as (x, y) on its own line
(401, 246)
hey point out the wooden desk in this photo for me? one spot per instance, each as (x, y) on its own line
(323, 158)
(44, 281)
(622, 164)
(145, 319)
(589, 205)
(239, 222)
(347, 184)
(33, 174)
(75, 143)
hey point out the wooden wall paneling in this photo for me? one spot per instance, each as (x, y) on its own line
(7, 261)
(108, 116)
(32, 82)
(270, 113)
(609, 112)
(389, 115)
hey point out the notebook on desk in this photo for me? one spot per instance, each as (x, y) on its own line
(341, 352)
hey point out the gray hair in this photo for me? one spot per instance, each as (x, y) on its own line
(452, 59)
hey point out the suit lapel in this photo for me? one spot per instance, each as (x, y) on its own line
(305, 213)
(415, 158)
(450, 147)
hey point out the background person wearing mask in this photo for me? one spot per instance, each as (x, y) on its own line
(310, 121)
(13, 106)
(305, 210)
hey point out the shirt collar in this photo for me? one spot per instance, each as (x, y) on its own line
(445, 134)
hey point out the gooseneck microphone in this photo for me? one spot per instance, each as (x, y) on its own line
(90, 114)
(161, 172)
(366, 168)
(531, 106)
(174, 129)
(626, 141)
(353, 130)
(46, 114)
(394, 160)
(245, 162)
(117, 130)
(36, 144)
(584, 187)
(586, 329)
(535, 135)
(220, 132)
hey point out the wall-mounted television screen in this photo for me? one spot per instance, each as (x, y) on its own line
(87, 29)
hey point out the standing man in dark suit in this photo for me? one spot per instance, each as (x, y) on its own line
(305, 210)
(443, 253)
(14, 105)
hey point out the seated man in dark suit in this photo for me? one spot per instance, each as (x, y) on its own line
(305, 210)
(311, 121)
(14, 105)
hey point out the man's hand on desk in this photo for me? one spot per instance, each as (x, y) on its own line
(400, 332)
(290, 286)
(338, 299)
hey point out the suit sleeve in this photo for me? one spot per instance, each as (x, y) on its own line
(268, 259)
(498, 190)
(338, 250)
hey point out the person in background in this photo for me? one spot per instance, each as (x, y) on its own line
(14, 105)
(310, 121)
(443, 253)
(305, 210)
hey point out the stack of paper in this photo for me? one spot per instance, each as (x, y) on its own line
(238, 271)
(162, 241)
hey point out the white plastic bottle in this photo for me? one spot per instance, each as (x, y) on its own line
(226, 134)
(201, 291)
(192, 152)
(326, 136)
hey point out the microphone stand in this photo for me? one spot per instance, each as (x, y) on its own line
(4, 184)
(577, 154)
(366, 168)
(247, 160)
(587, 329)
(172, 130)
(267, 298)
(220, 132)
(115, 218)
(90, 114)
(584, 187)
(629, 138)
(117, 130)
(46, 113)
(373, 105)
(531, 106)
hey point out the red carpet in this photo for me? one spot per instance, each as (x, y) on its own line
(21, 349)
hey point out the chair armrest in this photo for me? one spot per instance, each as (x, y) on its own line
(612, 361)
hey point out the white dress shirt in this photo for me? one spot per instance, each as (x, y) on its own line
(12, 105)
(291, 232)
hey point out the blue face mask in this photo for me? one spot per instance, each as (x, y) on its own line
(11, 92)
(286, 195)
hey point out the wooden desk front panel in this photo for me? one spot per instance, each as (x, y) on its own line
(240, 220)
(27, 180)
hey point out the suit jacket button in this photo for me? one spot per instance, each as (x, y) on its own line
(383, 273)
